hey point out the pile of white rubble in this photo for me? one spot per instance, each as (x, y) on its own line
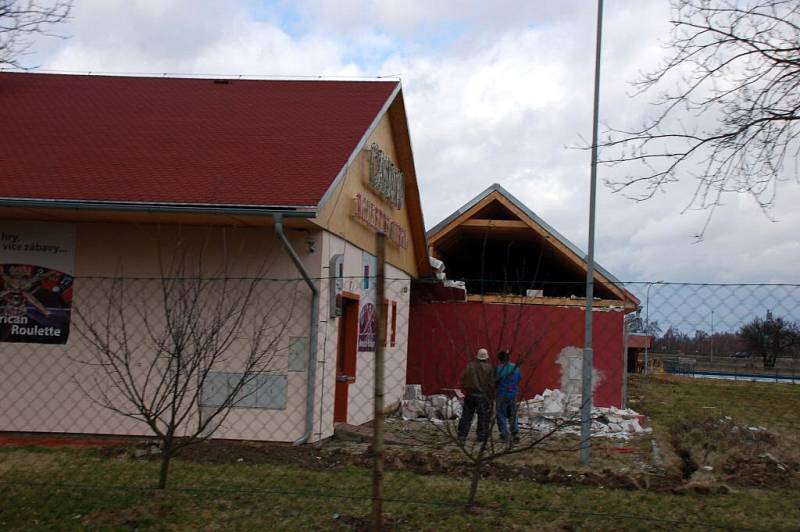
(555, 409)
(438, 407)
(552, 410)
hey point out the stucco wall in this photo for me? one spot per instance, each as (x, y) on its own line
(360, 393)
(50, 388)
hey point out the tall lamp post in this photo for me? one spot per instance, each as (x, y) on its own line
(586, 381)
(647, 322)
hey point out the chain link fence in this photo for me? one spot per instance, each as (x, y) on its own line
(201, 385)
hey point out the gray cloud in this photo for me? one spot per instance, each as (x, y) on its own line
(496, 92)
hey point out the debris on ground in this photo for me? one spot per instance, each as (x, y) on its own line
(437, 407)
(555, 410)
(552, 410)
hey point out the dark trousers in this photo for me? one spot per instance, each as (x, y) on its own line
(474, 403)
(506, 408)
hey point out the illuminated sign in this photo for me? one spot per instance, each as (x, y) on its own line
(385, 177)
(374, 217)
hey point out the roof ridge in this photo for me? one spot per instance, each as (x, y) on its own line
(204, 76)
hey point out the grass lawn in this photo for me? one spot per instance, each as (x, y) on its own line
(72, 489)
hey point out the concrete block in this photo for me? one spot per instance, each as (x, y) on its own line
(413, 391)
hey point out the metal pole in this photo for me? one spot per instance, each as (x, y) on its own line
(650, 336)
(712, 338)
(377, 440)
(586, 393)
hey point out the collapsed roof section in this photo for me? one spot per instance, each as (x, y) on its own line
(499, 247)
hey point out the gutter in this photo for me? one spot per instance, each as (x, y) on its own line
(313, 332)
(195, 208)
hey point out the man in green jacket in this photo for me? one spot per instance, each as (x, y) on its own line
(477, 381)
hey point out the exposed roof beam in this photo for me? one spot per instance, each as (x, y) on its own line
(548, 300)
(500, 224)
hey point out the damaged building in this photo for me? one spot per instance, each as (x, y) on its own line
(506, 280)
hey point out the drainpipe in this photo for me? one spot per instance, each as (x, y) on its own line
(314, 327)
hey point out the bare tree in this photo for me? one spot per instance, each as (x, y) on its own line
(771, 337)
(535, 429)
(729, 116)
(515, 331)
(177, 353)
(22, 20)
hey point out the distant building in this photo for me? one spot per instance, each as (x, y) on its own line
(636, 344)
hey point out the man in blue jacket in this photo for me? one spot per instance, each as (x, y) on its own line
(506, 377)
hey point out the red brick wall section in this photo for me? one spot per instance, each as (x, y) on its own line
(444, 336)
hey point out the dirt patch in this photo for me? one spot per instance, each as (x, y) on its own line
(447, 462)
(422, 462)
(363, 523)
(718, 448)
(430, 463)
(229, 452)
(606, 478)
(761, 471)
(235, 452)
(712, 453)
(131, 518)
(57, 441)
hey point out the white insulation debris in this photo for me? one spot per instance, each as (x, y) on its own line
(552, 410)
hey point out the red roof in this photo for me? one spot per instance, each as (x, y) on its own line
(640, 341)
(172, 140)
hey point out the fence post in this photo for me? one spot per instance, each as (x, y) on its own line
(377, 437)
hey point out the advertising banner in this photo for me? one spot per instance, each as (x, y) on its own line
(367, 320)
(37, 265)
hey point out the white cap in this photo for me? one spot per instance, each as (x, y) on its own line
(483, 354)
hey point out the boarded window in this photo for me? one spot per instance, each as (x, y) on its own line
(262, 390)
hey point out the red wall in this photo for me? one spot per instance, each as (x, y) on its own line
(444, 336)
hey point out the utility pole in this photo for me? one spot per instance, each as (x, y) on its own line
(586, 391)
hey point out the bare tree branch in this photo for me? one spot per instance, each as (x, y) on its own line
(22, 20)
(738, 69)
(158, 342)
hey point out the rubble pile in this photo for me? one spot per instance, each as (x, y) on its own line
(552, 410)
(438, 407)
(555, 409)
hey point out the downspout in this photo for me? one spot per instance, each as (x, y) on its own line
(313, 325)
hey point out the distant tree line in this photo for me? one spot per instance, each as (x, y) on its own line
(768, 338)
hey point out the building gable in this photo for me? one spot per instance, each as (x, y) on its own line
(361, 201)
(528, 254)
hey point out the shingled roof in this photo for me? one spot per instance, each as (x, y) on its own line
(186, 141)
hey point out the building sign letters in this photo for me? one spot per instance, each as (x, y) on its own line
(385, 177)
(374, 217)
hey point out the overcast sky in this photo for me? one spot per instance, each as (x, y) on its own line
(495, 91)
